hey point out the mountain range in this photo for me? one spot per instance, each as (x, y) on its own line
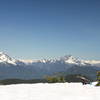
(30, 69)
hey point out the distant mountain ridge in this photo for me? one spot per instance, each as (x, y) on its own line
(4, 58)
(12, 68)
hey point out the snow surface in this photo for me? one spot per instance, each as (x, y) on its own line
(58, 91)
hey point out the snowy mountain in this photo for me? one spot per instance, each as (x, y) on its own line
(93, 62)
(4, 58)
(68, 59)
(12, 68)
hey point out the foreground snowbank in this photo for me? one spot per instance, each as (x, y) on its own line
(58, 91)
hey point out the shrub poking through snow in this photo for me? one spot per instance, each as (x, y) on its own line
(55, 79)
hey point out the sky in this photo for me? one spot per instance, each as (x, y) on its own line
(35, 29)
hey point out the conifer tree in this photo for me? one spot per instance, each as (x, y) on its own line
(98, 78)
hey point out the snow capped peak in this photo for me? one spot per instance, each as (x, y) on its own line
(68, 59)
(4, 58)
(1, 53)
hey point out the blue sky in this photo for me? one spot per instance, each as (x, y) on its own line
(35, 29)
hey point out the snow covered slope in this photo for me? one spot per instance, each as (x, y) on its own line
(4, 58)
(93, 62)
(58, 91)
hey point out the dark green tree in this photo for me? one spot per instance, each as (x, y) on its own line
(98, 78)
(61, 79)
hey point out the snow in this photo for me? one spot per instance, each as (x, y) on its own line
(6, 59)
(58, 91)
(68, 59)
(94, 62)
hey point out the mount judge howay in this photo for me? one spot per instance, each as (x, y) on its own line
(11, 68)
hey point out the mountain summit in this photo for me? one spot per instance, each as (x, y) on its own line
(12, 68)
(4, 58)
(68, 59)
